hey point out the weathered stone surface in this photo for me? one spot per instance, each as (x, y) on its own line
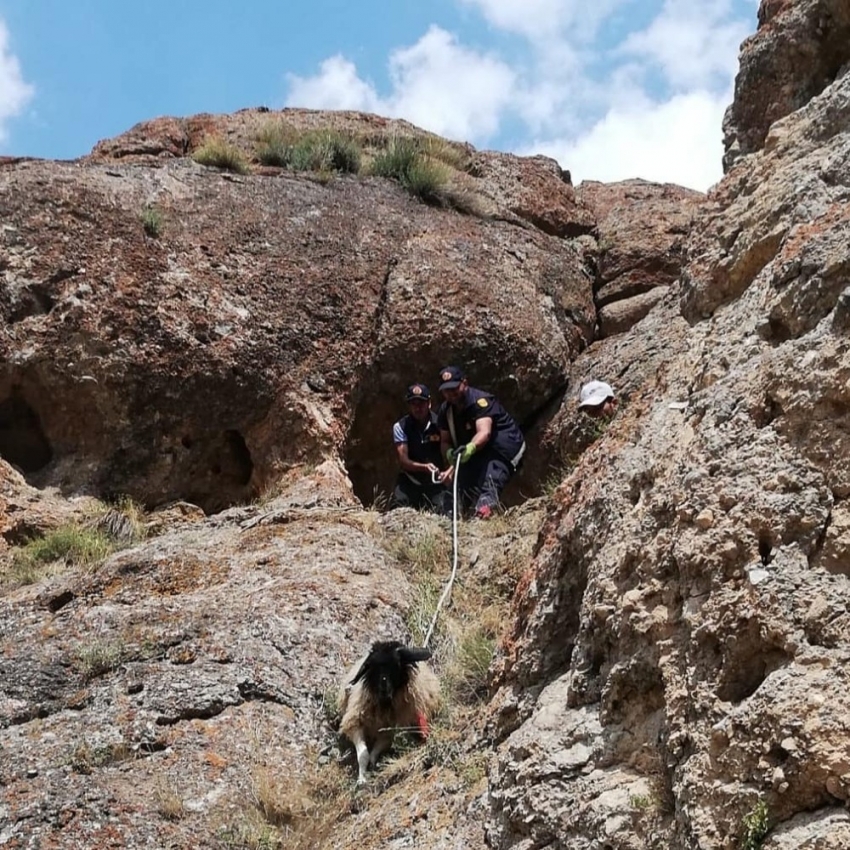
(619, 316)
(677, 653)
(790, 202)
(185, 672)
(532, 189)
(525, 190)
(642, 228)
(688, 603)
(258, 327)
(800, 47)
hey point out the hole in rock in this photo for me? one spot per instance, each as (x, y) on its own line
(371, 460)
(765, 550)
(744, 672)
(22, 440)
(219, 475)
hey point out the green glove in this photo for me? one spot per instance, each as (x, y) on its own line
(466, 452)
(451, 454)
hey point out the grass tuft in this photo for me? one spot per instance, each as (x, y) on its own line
(430, 169)
(169, 804)
(84, 544)
(99, 657)
(153, 221)
(297, 815)
(325, 152)
(68, 545)
(217, 153)
(755, 826)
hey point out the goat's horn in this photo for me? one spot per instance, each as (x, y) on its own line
(364, 667)
(412, 654)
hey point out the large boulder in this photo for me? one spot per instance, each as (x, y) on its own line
(642, 228)
(677, 667)
(268, 316)
(800, 47)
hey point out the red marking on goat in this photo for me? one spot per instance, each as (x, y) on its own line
(422, 722)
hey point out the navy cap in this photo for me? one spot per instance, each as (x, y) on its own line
(450, 377)
(417, 392)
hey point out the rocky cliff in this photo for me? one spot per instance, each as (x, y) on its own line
(227, 348)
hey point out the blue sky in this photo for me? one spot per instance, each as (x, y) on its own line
(611, 88)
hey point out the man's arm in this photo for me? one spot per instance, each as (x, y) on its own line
(445, 444)
(483, 432)
(409, 465)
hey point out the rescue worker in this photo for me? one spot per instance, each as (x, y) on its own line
(417, 444)
(475, 426)
(597, 400)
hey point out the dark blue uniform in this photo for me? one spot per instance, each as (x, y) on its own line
(483, 477)
(416, 489)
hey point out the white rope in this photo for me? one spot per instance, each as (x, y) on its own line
(448, 587)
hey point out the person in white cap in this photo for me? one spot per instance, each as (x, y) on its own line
(597, 399)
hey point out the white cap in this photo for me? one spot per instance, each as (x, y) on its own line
(594, 393)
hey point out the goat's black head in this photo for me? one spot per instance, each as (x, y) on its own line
(386, 669)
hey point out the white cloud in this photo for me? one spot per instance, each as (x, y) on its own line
(694, 44)
(14, 92)
(546, 19)
(676, 141)
(611, 88)
(336, 86)
(437, 83)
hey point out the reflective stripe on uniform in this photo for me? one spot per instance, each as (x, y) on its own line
(514, 461)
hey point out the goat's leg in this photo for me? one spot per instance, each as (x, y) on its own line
(383, 743)
(363, 759)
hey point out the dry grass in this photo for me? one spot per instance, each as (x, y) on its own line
(83, 544)
(300, 814)
(217, 153)
(169, 804)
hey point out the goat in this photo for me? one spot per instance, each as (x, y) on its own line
(389, 688)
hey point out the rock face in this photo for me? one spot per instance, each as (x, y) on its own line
(272, 317)
(641, 228)
(799, 49)
(674, 669)
(680, 650)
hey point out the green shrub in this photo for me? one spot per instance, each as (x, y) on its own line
(152, 221)
(274, 144)
(756, 826)
(396, 160)
(322, 151)
(220, 154)
(72, 544)
(404, 160)
(325, 151)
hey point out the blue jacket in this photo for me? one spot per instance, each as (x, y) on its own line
(505, 439)
(423, 444)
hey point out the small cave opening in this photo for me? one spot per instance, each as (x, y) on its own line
(210, 469)
(237, 458)
(372, 464)
(745, 671)
(23, 442)
(221, 470)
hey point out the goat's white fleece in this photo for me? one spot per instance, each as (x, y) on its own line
(371, 728)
